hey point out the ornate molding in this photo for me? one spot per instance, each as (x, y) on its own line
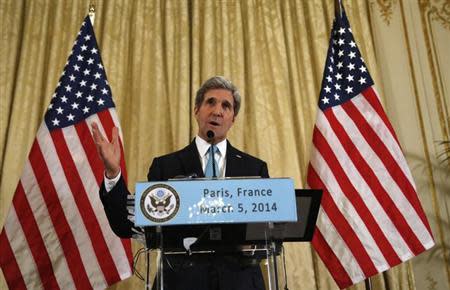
(431, 282)
(386, 8)
(438, 10)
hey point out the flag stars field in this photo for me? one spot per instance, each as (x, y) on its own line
(84, 69)
(341, 68)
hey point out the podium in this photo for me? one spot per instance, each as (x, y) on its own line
(245, 216)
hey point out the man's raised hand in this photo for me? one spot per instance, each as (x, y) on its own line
(109, 152)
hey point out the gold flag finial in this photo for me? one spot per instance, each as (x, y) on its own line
(92, 8)
(92, 12)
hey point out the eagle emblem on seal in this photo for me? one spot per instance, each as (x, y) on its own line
(160, 202)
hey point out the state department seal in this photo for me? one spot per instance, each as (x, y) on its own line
(160, 203)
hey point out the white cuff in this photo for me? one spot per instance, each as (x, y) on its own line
(110, 183)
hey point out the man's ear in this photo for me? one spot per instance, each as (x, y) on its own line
(195, 110)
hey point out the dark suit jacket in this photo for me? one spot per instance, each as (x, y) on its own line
(183, 162)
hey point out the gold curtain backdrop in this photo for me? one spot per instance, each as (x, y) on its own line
(157, 53)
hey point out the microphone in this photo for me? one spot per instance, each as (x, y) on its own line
(210, 134)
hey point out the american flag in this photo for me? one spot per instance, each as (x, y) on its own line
(56, 234)
(370, 217)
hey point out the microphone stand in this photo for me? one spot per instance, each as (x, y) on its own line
(147, 245)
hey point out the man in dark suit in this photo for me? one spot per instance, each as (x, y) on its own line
(217, 104)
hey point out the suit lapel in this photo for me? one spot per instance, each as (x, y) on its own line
(191, 161)
(234, 162)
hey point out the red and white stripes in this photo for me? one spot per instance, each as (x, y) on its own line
(56, 234)
(370, 218)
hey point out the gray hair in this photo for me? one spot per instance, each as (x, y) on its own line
(218, 82)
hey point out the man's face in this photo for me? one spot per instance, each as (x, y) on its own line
(215, 113)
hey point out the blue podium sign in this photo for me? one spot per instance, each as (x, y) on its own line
(206, 201)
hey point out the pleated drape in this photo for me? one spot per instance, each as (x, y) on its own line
(156, 55)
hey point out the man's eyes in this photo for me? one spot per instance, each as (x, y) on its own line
(225, 105)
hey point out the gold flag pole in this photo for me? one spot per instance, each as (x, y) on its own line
(92, 12)
(338, 7)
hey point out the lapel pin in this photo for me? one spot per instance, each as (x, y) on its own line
(238, 156)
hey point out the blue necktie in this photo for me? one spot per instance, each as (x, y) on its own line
(209, 166)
